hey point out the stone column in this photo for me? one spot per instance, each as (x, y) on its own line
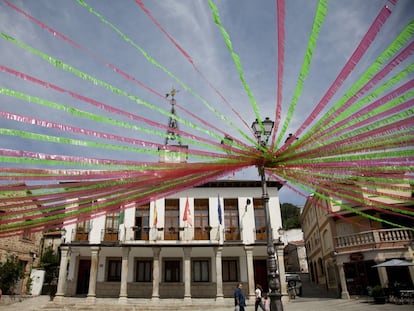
(91, 298)
(219, 274)
(187, 273)
(250, 272)
(123, 293)
(60, 293)
(156, 273)
(281, 270)
(344, 289)
(383, 276)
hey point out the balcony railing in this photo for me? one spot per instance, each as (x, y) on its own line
(109, 235)
(80, 235)
(385, 238)
(260, 234)
(141, 233)
(232, 234)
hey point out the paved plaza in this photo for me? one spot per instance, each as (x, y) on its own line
(42, 303)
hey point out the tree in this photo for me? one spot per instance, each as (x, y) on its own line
(50, 262)
(290, 216)
(11, 272)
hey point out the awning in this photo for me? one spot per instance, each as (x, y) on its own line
(394, 263)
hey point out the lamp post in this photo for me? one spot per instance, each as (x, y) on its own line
(262, 133)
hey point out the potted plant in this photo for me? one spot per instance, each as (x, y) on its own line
(378, 294)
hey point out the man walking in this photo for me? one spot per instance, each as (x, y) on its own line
(239, 300)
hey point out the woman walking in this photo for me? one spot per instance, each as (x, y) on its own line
(258, 302)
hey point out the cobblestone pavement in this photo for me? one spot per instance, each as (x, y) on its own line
(41, 303)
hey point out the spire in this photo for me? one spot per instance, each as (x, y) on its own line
(169, 152)
(172, 122)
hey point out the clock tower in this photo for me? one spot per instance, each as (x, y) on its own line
(173, 150)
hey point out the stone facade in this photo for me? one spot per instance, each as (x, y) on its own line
(25, 244)
(342, 252)
(156, 252)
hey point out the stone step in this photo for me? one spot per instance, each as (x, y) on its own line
(109, 304)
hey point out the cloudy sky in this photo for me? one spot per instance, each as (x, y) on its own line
(252, 30)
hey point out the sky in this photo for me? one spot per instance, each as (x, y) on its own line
(210, 80)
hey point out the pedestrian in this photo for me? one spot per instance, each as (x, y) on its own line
(266, 302)
(239, 300)
(258, 292)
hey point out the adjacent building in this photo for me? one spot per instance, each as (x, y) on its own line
(342, 251)
(25, 245)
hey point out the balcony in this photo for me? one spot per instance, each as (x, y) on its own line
(261, 234)
(232, 234)
(110, 235)
(202, 233)
(80, 234)
(141, 233)
(385, 238)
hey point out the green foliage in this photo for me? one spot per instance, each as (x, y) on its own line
(29, 284)
(378, 291)
(50, 263)
(11, 272)
(290, 216)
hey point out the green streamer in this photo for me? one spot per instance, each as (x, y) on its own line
(320, 15)
(308, 189)
(399, 42)
(394, 140)
(169, 73)
(330, 179)
(236, 60)
(63, 66)
(370, 127)
(100, 204)
(102, 119)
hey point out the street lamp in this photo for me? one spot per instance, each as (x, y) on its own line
(272, 273)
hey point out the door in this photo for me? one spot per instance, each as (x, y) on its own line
(84, 271)
(260, 273)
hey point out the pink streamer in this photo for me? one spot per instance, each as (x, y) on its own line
(78, 46)
(378, 103)
(346, 70)
(403, 55)
(113, 67)
(102, 105)
(190, 60)
(280, 5)
(77, 130)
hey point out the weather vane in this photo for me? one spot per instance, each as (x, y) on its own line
(172, 93)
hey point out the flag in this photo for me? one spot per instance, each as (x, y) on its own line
(187, 213)
(220, 219)
(155, 221)
(121, 217)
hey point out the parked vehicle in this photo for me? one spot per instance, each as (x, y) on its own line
(294, 281)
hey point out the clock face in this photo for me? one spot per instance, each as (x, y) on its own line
(173, 157)
(169, 156)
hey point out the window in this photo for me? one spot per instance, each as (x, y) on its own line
(27, 234)
(231, 219)
(172, 270)
(82, 230)
(171, 230)
(201, 216)
(230, 269)
(141, 228)
(111, 227)
(143, 272)
(259, 219)
(201, 270)
(114, 269)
